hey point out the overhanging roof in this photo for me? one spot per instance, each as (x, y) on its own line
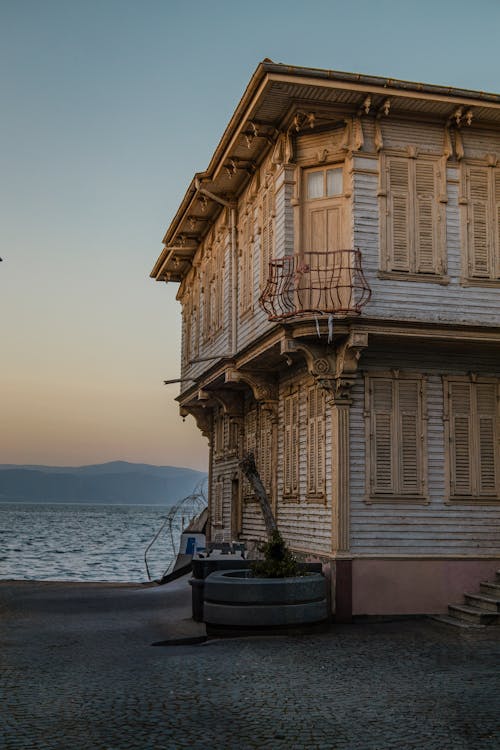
(269, 99)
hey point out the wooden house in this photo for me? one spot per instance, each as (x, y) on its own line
(338, 266)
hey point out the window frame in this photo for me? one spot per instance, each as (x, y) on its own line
(468, 278)
(267, 214)
(412, 157)
(246, 261)
(316, 434)
(291, 435)
(397, 495)
(475, 497)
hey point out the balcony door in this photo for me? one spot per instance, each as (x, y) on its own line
(323, 209)
(324, 284)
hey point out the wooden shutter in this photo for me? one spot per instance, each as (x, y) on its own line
(409, 438)
(267, 232)
(218, 504)
(312, 447)
(315, 441)
(461, 443)
(290, 445)
(382, 436)
(425, 216)
(399, 213)
(479, 256)
(320, 444)
(496, 177)
(486, 409)
(266, 450)
(287, 442)
(294, 447)
(250, 445)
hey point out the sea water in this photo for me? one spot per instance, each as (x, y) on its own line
(77, 542)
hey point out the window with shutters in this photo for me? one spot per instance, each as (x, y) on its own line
(186, 332)
(396, 437)
(250, 446)
(266, 232)
(473, 435)
(218, 511)
(246, 262)
(266, 451)
(213, 291)
(315, 442)
(480, 203)
(219, 437)
(291, 446)
(413, 225)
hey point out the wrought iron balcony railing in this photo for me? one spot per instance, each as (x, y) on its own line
(315, 282)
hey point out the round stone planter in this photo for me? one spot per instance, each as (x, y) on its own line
(233, 598)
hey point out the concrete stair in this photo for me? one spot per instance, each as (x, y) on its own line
(478, 610)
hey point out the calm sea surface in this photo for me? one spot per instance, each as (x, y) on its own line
(76, 542)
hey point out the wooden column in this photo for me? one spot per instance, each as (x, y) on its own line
(341, 507)
(340, 477)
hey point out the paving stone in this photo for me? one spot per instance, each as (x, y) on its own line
(395, 686)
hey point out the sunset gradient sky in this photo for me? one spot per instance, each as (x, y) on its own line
(108, 108)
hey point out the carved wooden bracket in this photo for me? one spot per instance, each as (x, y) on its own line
(202, 416)
(231, 402)
(320, 364)
(334, 372)
(348, 355)
(263, 386)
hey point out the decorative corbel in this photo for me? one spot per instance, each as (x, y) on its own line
(264, 388)
(358, 137)
(345, 143)
(377, 138)
(383, 111)
(202, 416)
(283, 150)
(320, 364)
(348, 355)
(459, 145)
(447, 144)
(231, 402)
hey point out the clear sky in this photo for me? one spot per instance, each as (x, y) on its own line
(108, 107)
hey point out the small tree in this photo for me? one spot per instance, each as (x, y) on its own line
(278, 561)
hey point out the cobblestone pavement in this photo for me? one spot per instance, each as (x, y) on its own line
(78, 672)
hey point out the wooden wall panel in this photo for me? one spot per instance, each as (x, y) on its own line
(437, 528)
(403, 300)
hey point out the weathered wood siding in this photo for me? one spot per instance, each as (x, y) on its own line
(421, 300)
(411, 529)
(305, 523)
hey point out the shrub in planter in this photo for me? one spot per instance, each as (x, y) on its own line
(278, 561)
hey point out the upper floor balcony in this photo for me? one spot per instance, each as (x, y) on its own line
(313, 283)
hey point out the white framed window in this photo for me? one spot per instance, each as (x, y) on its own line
(472, 417)
(396, 436)
(323, 209)
(324, 183)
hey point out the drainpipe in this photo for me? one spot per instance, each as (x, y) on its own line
(233, 237)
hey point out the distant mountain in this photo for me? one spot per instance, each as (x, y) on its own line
(114, 482)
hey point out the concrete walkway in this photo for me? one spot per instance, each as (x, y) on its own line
(78, 672)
